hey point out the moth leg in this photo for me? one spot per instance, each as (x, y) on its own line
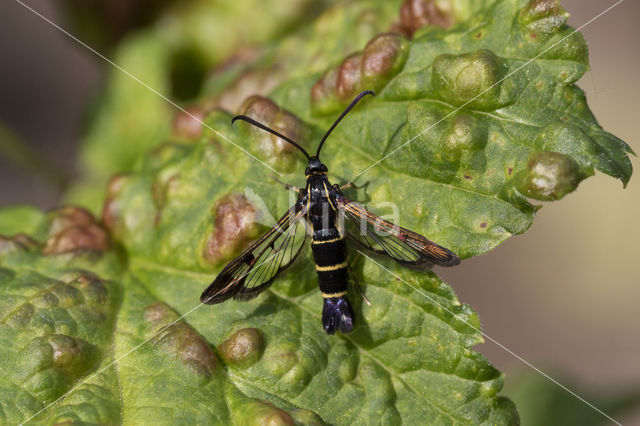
(350, 184)
(355, 280)
(286, 185)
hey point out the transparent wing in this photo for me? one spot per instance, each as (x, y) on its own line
(385, 238)
(258, 266)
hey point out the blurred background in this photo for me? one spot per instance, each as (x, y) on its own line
(568, 289)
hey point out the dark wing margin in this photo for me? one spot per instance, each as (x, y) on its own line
(255, 269)
(383, 237)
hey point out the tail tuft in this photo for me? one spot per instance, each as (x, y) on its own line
(337, 315)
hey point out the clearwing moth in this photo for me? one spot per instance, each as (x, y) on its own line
(333, 219)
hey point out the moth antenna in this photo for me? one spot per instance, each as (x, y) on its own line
(345, 112)
(273, 132)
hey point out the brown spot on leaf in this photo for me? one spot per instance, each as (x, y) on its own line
(22, 316)
(243, 348)
(349, 75)
(187, 124)
(483, 225)
(549, 176)
(509, 171)
(52, 360)
(74, 229)
(191, 348)
(542, 18)
(65, 349)
(270, 114)
(467, 177)
(383, 57)
(251, 82)
(20, 242)
(110, 210)
(263, 413)
(235, 225)
(180, 340)
(261, 109)
(418, 13)
(69, 354)
(323, 91)
(159, 315)
(397, 28)
(542, 8)
(92, 287)
(25, 241)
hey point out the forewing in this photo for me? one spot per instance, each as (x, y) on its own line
(385, 238)
(258, 266)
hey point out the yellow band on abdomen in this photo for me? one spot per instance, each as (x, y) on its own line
(331, 267)
(328, 295)
(333, 240)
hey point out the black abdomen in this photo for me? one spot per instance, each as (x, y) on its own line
(330, 256)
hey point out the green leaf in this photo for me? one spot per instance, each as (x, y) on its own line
(72, 310)
(58, 321)
(139, 348)
(19, 219)
(60, 327)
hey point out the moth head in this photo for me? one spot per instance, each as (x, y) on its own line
(315, 166)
